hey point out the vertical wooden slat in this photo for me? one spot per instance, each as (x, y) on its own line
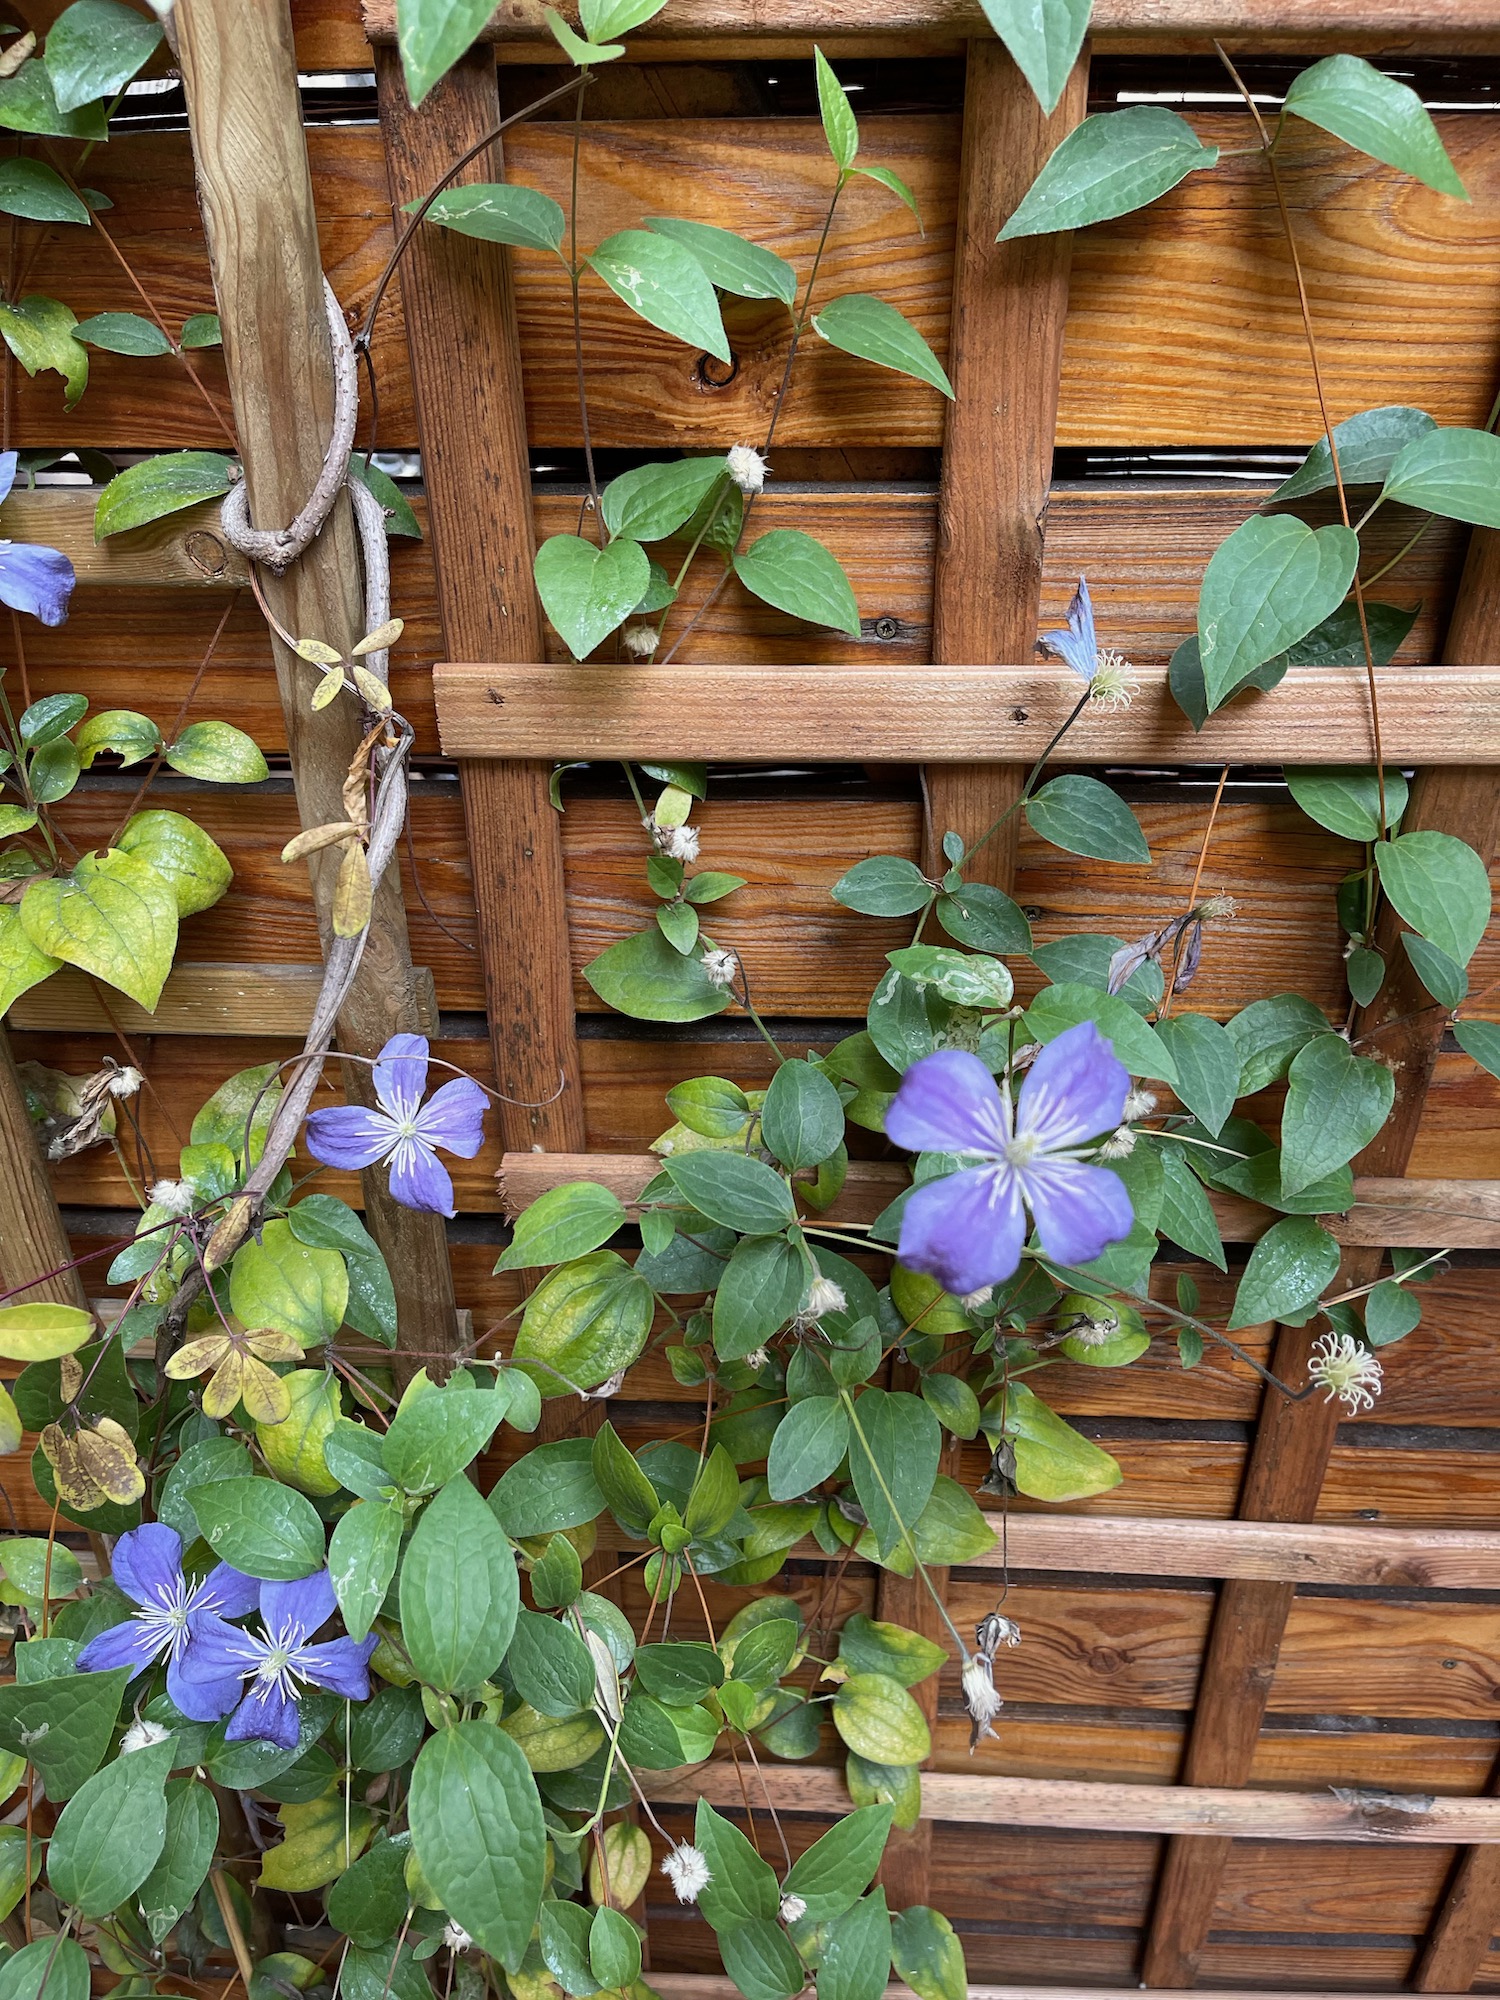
(1403, 1029)
(466, 371)
(1010, 301)
(32, 1237)
(240, 75)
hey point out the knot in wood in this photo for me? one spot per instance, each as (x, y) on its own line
(710, 373)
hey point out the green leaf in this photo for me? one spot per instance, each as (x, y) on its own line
(1268, 1033)
(132, 737)
(1336, 1102)
(1137, 1046)
(1288, 1268)
(325, 1223)
(1347, 801)
(29, 104)
(180, 853)
(926, 1953)
(894, 1447)
(878, 1718)
(123, 333)
(476, 1827)
(362, 1555)
(1367, 444)
(795, 573)
(839, 125)
(958, 976)
(589, 592)
(1207, 1064)
(369, 1900)
(38, 193)
(436, 1436)
(856, 1958)
(632, 1499)
(1446, 981)
(1391, 1313)
(1083, 816)
(459, 1593)
(94, 48)
(110, 1833)
(603, 19)
(218, 752)
(39, 333)
(432, 35)
(1436, 882)
(872, 1646)
(1111, 164)
(732, 264)
(62, 1725)
(399, 517)
(1043, 37)
(1053, 1461)
(260, 1527)
(742, 1887)
(550, 1489)
(984, 917)
(192, 1833)
(886, 178)
(802, 1119)
(580, 53)
(887, 885)
(562, 1223)
(1266, 586)
(731, 1188)
(1377, 114)
(1451, 472)
(644, 977)
(808, 1447)
(757, 1294)
(711, 1106)
(282, 1283)
(586, 1321)
(758, 1957)
(1187, 1216)
(840, 1866)
(159, 486)
(564, 1943)
(53, 1965)
(614, 1949)
(1481, 1040)
(499, 212)
(51, 717)
(203, 330)
(550, 1665)
(652, 501)
(54, 771)
(858, 323)
(113, 916)
(663, 281)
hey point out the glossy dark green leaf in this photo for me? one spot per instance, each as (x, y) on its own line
(1378, 114)
(476, 1826)
(459, 1591)
(1111, 164)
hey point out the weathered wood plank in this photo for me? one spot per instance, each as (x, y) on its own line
(196, 1000)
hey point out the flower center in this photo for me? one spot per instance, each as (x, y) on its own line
(1022, 1149)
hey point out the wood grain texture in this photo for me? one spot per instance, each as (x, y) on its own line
(1199, 1811)
(33, 1240)
(461, 324)
(950, 715)
(1182, 328)
(240, 76)
(197, 1000)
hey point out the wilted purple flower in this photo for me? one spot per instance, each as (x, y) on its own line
(147, 1566)
(1106, 671)
(967, 1229)
(32, 578)
(404, 1130)
(280, 1660)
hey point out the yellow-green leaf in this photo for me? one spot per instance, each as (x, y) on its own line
(293, 1449)
(314, 1850)
(40, 1332)
(115, 916)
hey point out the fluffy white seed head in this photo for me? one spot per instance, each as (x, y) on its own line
(125, 1082)
(823, 1296)
(980, 1698)
(1119, 1145)
(973, 1301)
(640, 641)
(747, 468)
(792, 1908)
(456, 1937)
(1138, 1104)
(680, 842)
(176, 1197)
(687, 1871)
(720, 966)
(141, 1735)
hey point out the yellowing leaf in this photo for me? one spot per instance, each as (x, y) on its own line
(314, 1850)
(319, 654)
(352, 895)
(383, 636)
(293, 1444)
(313, 838)
(108, 1455)
(375, 692)
(10, 1422)
(43, 1331)
(331, 684)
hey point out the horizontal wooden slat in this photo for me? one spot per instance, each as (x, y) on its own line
(710, 1986)
(196, 1000)
(836, 715)
(1449, 25)
(1130, 1808)
(1183, 326)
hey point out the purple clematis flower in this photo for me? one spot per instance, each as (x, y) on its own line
(148, 1567)
(404, 1130)
(1078, 645)
(967, 1229)
(32, 578)
(280, 1659)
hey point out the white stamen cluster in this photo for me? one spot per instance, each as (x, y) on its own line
(747, 468)
(456, 1937)
(1112, 684)
(1346, 1371)
(1217, 909)
(793, 1908)
(823, 1296)
(757, 1358)
(974, 1301)
(687, 1871)
(1096, 1332)
(720, 966)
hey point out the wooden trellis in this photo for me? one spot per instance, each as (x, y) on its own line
(1109, 1839)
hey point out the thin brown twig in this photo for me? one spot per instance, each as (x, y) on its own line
(1192, 902)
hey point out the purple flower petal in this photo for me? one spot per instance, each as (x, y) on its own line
(419, 1179)
(453, 1118)
(341, 1666)
(965, 1230)
(201, 1700)
(224, 1590)
(147, 1564)
(37, 580)
(294, 1611)
(348, 1136)
(1075, 1090)
(948, 1103)
(267, 1713)
(219, 1652)
(1078, 645)
(8, 463)
(1080, 1210)
(133, 1644)
(401, 1075)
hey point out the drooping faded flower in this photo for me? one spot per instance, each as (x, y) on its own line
(147, 1565)
(1106, 671)
(404, 1130)
(1346, 1371)
(280, 1660)
(32, 578)
(968, 1228)
(981, 1698)
(238, 1361)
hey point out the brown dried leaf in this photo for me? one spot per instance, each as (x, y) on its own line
(352, 895)
(69, 1376)
(314, 838)
(108, 1456)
